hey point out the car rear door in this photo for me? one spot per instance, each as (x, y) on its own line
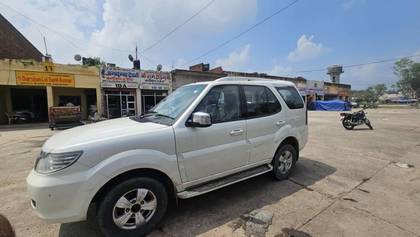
(265, 117)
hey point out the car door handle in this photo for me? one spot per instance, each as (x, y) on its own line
(280, 123)
(236, 132)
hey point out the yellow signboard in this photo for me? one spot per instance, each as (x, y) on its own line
(28, 78)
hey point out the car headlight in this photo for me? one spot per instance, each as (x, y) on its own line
(52, 162)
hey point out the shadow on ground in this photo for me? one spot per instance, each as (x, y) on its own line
(203, 213)
(23, 127)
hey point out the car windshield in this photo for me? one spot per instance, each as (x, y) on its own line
(172, 106)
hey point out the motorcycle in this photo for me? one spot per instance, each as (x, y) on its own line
(23, 116)
(350, 120)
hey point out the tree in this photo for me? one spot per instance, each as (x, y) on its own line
(409, 73)
(415, 79)
(380, 89)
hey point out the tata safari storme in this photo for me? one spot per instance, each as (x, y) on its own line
(202, 137)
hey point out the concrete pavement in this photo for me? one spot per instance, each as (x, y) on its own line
(347, 183)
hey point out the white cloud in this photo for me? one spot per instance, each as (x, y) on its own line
(306, 49)
(278, 70)
(347, 4)
(121, 24)
(235, 60)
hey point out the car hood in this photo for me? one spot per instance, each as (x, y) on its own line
(110, 129)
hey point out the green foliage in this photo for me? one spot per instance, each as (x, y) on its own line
(95, 61)
(409, 73)
(370, 95)
(380, 89)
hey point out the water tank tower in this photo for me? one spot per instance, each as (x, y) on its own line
(335, 71)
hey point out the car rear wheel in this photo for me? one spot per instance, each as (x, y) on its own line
(133, 207)
(284, 162)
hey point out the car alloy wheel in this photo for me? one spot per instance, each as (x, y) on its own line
(134, 208)
(285, 162)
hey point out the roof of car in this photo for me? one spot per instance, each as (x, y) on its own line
(249, 81)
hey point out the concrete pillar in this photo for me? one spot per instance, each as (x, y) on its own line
(138, 102)
(99, 104)
(8, 97)
(50, 97)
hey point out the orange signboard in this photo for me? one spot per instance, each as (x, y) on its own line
(28, 78)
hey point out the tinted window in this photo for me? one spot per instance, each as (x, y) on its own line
(222, 103)
(260, 101)
(291, 96)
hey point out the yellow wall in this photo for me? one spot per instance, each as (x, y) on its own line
(85, 78)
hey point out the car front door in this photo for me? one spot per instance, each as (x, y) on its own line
(215, 150)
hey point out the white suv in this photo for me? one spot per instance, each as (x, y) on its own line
(202, 137)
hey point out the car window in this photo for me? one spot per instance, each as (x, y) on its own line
(222, 103)
(260, 101)
(291, 96)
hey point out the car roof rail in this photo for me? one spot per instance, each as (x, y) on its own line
(245, 79)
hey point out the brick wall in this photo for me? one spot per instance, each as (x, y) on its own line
(14, 45)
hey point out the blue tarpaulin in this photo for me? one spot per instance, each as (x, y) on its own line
(330, 105)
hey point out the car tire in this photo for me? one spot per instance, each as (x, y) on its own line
(114, 208)
(284, 161)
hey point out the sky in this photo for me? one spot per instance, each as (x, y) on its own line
(309, 35)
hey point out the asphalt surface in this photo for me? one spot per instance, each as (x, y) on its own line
(346, 183)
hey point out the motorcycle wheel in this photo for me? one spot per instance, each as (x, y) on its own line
(347, 124)
(367, 122)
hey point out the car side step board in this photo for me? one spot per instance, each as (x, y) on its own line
(225, 181)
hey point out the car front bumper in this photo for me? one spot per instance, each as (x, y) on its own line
(58, 199)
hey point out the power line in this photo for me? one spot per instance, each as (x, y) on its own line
(361, 64)
(243, 32)
(178, 27)
(66, 36)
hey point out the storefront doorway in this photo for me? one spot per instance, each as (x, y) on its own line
(32, 102)
(120, 104)
(150, 98)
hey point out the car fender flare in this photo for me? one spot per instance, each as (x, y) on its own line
(126, 161)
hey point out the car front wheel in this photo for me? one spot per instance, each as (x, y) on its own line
(133, 207)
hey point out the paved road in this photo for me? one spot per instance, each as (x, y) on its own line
(347, 183)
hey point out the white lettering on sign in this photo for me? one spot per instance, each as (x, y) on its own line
(155, 80)
(119, 77)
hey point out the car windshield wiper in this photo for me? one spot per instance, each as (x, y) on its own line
(162, 115)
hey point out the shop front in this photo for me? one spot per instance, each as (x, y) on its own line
(29, 89)
(314, 90)
(121, 91)
(155, 86)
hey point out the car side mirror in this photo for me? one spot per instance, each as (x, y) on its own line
(200, 119)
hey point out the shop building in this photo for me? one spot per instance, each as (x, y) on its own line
(314, 90)
(33, 87)
(120, 90)
(197, 73)
(334, 91)
(154, 87)
(128, 92)
(310, 90)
